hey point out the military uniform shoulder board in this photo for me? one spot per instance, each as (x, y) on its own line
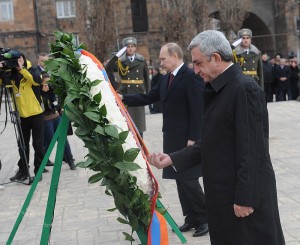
(139, 57)
(254, 49)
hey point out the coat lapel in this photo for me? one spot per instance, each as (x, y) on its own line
(164, 86)
(177, 79)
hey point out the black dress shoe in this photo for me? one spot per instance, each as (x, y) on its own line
(72, 166)
(186, 227)
(19, 176)
(201, 230)
(50, 163)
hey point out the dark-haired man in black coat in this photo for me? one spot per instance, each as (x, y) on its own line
(182, 105)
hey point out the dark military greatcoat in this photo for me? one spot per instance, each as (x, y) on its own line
(251, 63)
(134, 80)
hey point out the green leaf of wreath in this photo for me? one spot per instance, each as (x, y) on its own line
(85, 164)
(128, 237)
(73, 116)
(71, 97)
(97, 98)
(80, 165)
(111, 209)
(103, 110)
(99, 130)
(81, 130)
(96, 177)
(131, 154)
(123, 135)
(116, 152)
(92, 115)
(129, 166)
(111, 131)
(123, 221)
(95, 83)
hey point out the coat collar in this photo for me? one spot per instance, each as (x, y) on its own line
(252, 49)
(219, 82)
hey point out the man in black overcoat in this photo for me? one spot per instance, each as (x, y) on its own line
(282, 72)
(239, 179)
(182, 106)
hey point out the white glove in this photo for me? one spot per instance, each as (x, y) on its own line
(122, 51)
(237, 42)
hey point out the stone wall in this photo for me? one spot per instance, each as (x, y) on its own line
(49, 23)
(32, 30)
(21, 32)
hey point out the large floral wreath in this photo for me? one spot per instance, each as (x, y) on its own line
(114, 150)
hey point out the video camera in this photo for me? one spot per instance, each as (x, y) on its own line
(9, 58)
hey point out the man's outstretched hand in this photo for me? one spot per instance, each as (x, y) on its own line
(160, 160)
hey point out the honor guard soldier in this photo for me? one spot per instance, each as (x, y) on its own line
(249, 57)
(133, 72)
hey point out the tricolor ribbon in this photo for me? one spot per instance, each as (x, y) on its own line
(157, 230)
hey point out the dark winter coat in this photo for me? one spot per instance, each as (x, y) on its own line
(237, 169)
(268, 72)
(182, 108)
(280, 72)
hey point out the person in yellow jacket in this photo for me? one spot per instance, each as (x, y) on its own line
(25, 82)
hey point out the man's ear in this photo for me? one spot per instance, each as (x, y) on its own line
(217, 57)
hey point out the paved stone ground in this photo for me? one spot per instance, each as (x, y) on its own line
(80, 212)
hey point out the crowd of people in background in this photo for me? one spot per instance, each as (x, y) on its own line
(281, 78)
(277, 76)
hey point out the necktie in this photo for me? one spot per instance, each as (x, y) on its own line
(171, 77)
(131, 59)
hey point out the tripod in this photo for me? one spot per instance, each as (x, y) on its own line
(10, 105)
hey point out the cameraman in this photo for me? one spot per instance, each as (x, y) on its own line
(26, 82)
(52, 118)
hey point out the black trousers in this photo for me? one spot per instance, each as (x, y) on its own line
(192, 201)
(268, 92)
(34, 126)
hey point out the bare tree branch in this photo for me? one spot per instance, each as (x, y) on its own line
(232, 14)
(95, 19)
(183, 20)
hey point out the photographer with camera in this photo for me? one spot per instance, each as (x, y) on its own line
(25, 82)
(52, 118)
